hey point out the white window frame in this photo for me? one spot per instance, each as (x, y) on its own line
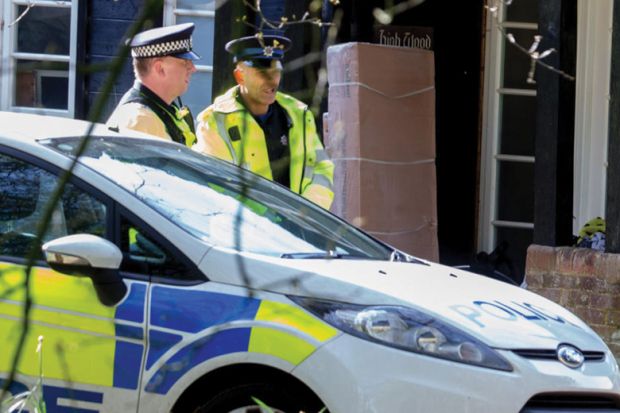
(10, 56)
(490, 149)
(3, 23)
(595, 20)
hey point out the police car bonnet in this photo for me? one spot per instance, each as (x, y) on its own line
(173, 41)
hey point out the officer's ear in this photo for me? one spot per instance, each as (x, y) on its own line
(238, 74)
(158, 66)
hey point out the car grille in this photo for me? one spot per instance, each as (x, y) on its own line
(552, 355)
(571, 403)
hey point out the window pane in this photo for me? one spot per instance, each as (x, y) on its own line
(144, 255)
(515, 191)
(518, 125)
(82, 213)
(522, 11)
(202, 38)
(25, 191)
(42, 84)
(198, 95)
(44, 30)
(517, 63)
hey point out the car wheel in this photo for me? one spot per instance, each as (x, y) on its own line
(278, 397)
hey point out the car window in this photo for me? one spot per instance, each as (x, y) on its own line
(220, 203)
(25, 192)
(143, 254)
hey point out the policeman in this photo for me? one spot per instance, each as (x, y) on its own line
(163, 63)
(268, 132)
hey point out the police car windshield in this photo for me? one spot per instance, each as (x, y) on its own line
(220, 203)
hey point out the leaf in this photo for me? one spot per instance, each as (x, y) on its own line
(262, 405)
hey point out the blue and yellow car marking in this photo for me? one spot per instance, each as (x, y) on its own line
(159, 343)
(218, 344)
(105, 346)
(84, 341)
(229, 324)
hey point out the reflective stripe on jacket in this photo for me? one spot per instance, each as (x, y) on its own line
(228, 131)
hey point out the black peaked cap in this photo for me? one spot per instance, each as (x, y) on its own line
(165, 41)
(266, 47)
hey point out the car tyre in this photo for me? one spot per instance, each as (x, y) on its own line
(279, 398)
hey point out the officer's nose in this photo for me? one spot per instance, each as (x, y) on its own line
(273, 78)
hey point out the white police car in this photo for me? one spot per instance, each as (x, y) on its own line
(175, 282)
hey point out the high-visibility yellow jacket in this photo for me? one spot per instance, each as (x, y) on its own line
(311, 172)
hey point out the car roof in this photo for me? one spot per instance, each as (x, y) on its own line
(28, 127)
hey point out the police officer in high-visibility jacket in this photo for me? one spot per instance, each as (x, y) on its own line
(265, 131)
(163, 63)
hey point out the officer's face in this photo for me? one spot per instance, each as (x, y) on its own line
(258, 85)
(178, 73)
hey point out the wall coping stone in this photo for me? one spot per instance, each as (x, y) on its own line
(582, 262)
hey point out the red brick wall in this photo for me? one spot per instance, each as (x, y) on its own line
(584, 281)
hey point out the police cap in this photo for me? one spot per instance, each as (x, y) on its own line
(173, 41)
(260, 51)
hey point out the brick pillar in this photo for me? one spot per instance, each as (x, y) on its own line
(584, 281)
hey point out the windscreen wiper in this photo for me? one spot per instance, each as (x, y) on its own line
(323, 255)
(399, 256)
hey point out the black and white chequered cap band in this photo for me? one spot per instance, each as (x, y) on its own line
(162, 49)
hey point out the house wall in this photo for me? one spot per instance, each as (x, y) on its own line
(585, 281)
(107, 22)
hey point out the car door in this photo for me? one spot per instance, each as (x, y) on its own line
(149, 255)
(92, 355)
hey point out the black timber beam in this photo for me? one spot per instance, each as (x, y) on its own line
(612, 203)
(228, 26)
(555, 124)
(81, 91)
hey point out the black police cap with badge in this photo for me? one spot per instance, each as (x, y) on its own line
(261, 51)
(173, 41)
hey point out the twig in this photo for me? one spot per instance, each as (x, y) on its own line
(533, 53)
(21, 16)
(277, 25)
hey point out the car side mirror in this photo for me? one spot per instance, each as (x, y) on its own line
(90, 256)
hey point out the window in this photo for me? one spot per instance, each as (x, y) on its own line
(143, 254)
(39, 56)
(202, 14)
(25, 192)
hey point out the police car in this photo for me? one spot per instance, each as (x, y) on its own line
(170, 281)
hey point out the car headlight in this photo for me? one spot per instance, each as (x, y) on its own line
(406, 329)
